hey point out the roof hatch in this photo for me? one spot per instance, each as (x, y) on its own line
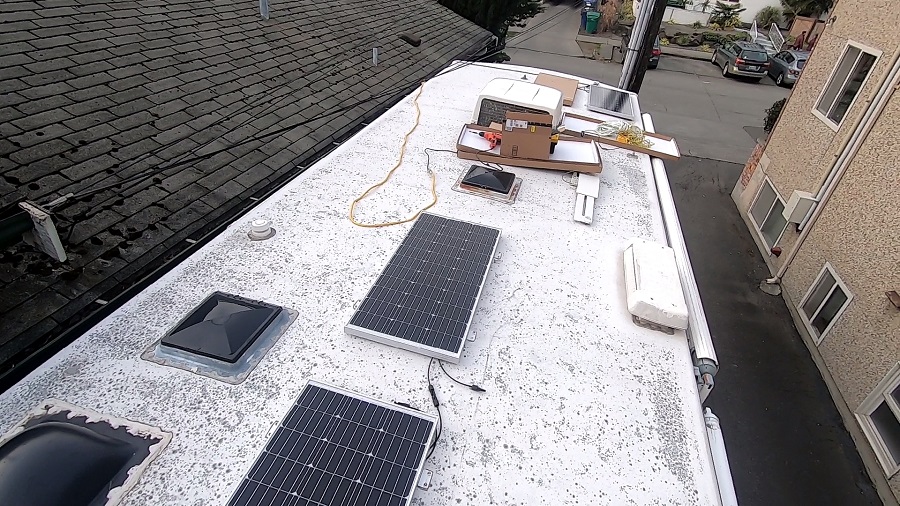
(62, 454)
(224, 337)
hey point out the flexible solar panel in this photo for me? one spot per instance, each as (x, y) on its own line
(336, 447)
(425, 297)
(613, 102)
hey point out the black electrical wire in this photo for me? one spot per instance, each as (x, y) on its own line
(472, 386)
(437, 406)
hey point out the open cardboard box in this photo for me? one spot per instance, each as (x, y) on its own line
(526, 143)
(661, 146)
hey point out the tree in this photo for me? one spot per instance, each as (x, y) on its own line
(726, 15)
(495, 15)
(812, 8)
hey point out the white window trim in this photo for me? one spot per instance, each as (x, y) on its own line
(880, 394)
(862, 47)
(758, 226)
(838, 283)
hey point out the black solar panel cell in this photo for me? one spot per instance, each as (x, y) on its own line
(336, 449)
(429, 289)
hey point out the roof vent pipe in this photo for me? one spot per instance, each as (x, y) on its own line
(264, 9)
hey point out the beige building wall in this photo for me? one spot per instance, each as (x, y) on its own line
(859, 230)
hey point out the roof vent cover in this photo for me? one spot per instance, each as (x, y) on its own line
(222, 327)
(63, 454)
(224, 337)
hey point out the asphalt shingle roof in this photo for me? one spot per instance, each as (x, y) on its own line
(98, 92)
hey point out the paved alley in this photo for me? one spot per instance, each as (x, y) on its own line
(786, 442)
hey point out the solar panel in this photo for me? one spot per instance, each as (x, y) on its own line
(425, 297)
(336, 447)
(613, 102)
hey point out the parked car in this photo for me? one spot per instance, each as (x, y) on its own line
(785, 67)
(654, 54)
(746, 59)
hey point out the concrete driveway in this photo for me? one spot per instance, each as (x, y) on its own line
(689, 99)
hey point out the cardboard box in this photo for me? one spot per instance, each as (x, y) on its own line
(568, 87)
(571, 154)
(527, 135)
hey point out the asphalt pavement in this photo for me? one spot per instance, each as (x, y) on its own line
(786, 441)
(689, 99)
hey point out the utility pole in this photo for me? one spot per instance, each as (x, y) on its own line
(640, 44)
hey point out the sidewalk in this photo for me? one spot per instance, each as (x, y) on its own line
(786, 442)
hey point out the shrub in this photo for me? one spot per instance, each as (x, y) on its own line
(609, 13)
(715, 26)
(772, 114)
(682, 40)
(726, 15)
(768, 15)
(663, 42)
(705, 48)
(697, 24)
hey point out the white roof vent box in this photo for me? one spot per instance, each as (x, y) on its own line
(502, 95)
(652, 286)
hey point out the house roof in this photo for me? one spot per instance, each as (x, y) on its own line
(581, 404)
(166, 98)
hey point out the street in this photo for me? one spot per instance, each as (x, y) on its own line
(689, 99)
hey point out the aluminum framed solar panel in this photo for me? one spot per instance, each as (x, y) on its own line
(336, 447)
(613, 102)
(426, 296)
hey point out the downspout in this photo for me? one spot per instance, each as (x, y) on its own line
(849, 150)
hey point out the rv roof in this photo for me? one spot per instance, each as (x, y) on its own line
(582, 406)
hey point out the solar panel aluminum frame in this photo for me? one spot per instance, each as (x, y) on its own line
(380, 337)
(364, 398)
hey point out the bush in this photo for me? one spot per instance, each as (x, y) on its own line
(609, 16)
(714, 26)
(772, 114)
(726, 15)
(768, 15)
(697, 24)
(705, 48)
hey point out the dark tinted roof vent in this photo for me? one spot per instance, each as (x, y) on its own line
(224, 337)
(55, 456)
(489, 179)
(490, 183)
(222, 327)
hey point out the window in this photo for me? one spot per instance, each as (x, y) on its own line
(846, 80)
(766, 214)
(824, 302)
(751, 55)
(879, 416)
(788, 57)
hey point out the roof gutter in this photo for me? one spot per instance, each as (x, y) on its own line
(704, 354)
(849, 150)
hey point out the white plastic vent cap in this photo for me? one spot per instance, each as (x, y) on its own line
(652, 285)
(260, 230)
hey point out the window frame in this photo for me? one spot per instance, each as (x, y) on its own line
(863, 49)
(759, 226)
(838, 283)
(881, 394)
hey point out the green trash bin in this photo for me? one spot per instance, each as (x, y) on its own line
(593, 19)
